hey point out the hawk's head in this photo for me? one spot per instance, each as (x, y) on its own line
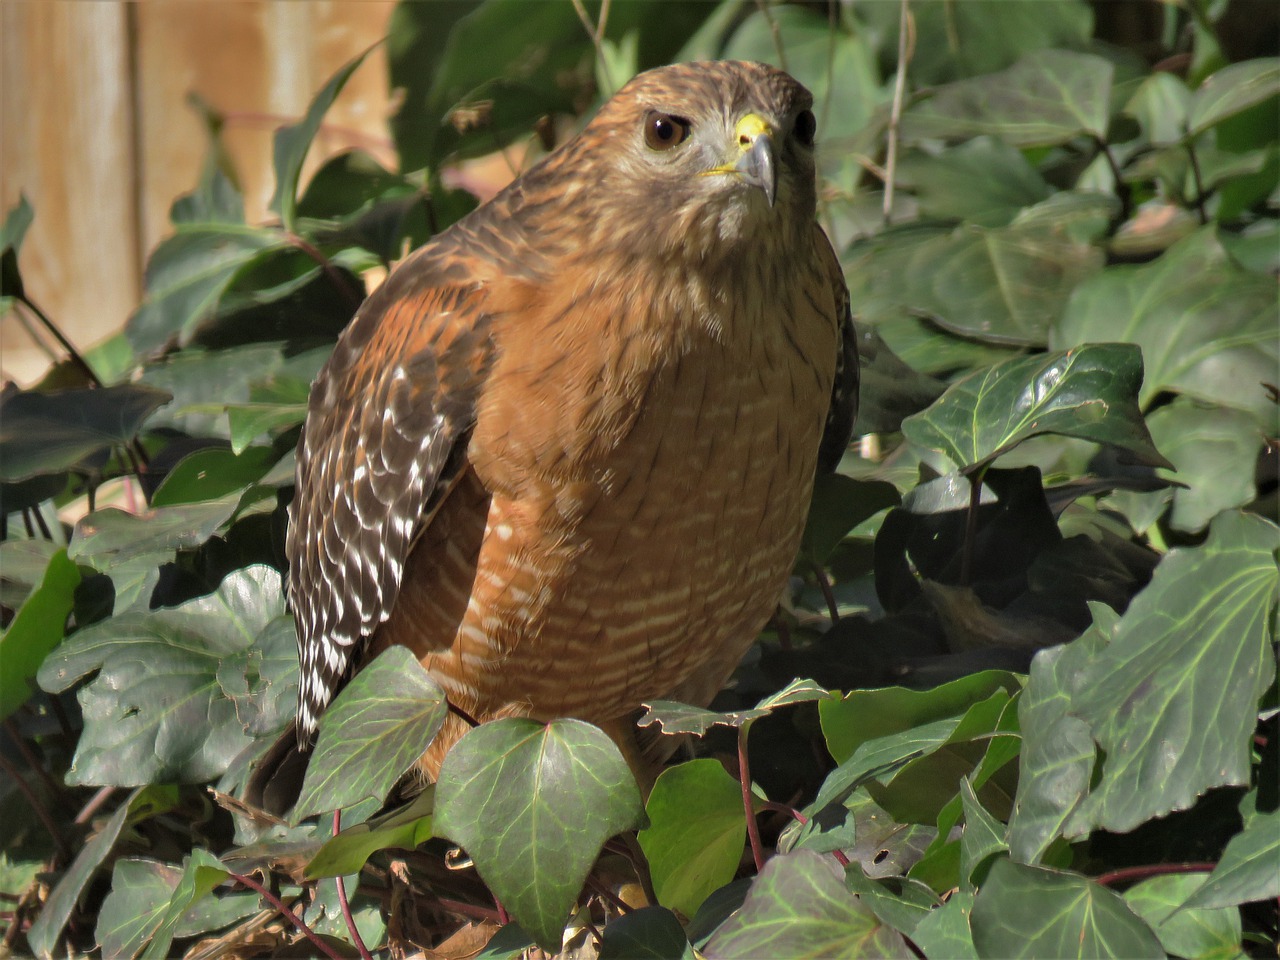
(703, 154)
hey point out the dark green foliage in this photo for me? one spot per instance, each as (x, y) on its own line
(1023, 696)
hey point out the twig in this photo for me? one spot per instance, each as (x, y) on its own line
(288, 914)
(596, 33)
(971, 525)
(471, 910)
(343, 902)
(349, 293)
(744, 778)
(906, 49)
(1123, 192)
(63, 342)
(824, 584)
(763, 5)
(600, 889)
(461, 714)
(53, 786)
(36, 806)
(1129, 874)
(94, 805)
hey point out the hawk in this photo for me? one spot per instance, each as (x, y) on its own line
(565, 452)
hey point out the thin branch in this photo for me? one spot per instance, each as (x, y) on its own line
(287, 913)
(602, 890)
(1199, 182)
(63, 342)
(1123, 192)
(36, 806)
(596, 33)
(461, 714)
(94, 805)
(971, 526)
(349, 293)
(775, 31)
(469, 910)
(55, 788)
(824, 584)
(345, 904)
(1130, 874)
(744, 778)
(906, 49)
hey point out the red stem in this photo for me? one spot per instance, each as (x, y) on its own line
(1129, 874)
(344, 904)
(288, 914)
(744, 778)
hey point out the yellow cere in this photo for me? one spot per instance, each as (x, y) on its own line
(750, 127)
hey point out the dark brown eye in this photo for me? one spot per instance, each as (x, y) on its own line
(806, 127)
(663, 131)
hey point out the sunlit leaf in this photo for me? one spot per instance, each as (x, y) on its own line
(532, 804)
(370, 736)
(37, 628)
(1172, 700)
(178, 693)
(695, 835)
(800, 907)
(1232, 90)
(1089, 392)
(1024, 911)
(1189, 932)
(1250, 865)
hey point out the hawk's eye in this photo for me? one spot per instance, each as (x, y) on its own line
(806, 127)
(662, 131)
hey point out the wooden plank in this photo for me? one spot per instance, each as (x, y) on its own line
(68, 145)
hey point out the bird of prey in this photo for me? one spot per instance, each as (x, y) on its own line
(565, 453)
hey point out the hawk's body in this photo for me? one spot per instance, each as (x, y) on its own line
(565, 453)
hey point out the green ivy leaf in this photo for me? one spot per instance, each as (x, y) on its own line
(180, 692)
(44, 433)
(983, 836)
(1058, 753)
(187, 276)
(406, 829)
(1206, 327)
(695, 835)
(129, 548)
(142, 803)
(532, 804)
(1024, 911)
(211, 474)
(1250, 865)
(675, 718)
(37, 628)
(1194, 932)
(1232, 90)
(650, 933)
(945, 931)
(372, 734)
(799, 907)
(1000, 285)
(839, 504)
(1046, 98)
(1172, 701)
(985, 182)
(293, 141)
(1089, 392)
(864, 715)
(202, 872)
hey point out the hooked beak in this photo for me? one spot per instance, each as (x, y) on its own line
(758, 165)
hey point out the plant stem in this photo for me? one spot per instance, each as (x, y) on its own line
(1130, 874)
(63, 342)
(971, 525)
(824, 584)
(36, 806)
(906, 49)
(344, 904)
(1199, 182)
(744, 778)
(94, 805)
(1123, 192)
(349, 293)
(288, 914)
